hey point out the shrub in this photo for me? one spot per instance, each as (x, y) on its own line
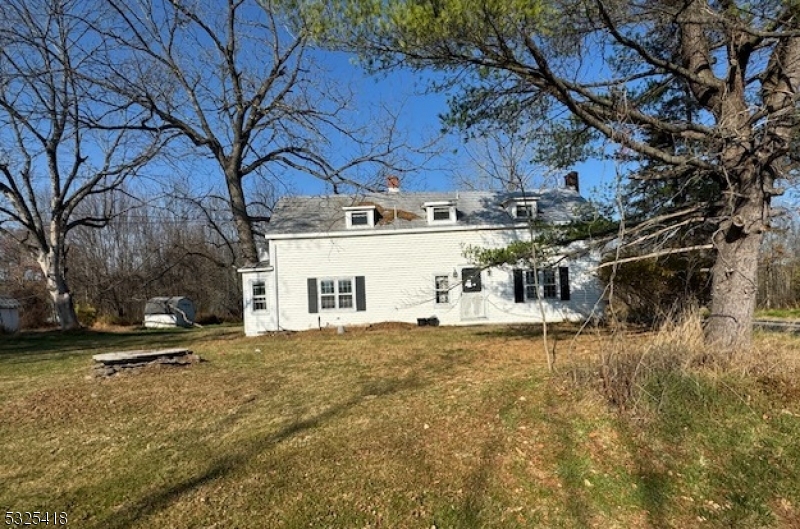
(207, 319)
(111, 320)
(36, 310)
(87, 314)
(651, 291)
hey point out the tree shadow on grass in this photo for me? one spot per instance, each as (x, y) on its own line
(726, 458)
(558, 331)
(478, 482)
(570, 468)
(654, 485)
(248, 450)
(49, 345)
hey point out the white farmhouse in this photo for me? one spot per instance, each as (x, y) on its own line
(397, 256)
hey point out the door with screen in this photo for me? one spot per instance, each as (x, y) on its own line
(473, 304)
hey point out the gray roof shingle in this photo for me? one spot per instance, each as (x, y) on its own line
(404, 210)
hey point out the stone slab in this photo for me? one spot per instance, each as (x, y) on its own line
(121, 357)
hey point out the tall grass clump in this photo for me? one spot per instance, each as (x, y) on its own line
(714, 434)
(632, 370)
(627, 365)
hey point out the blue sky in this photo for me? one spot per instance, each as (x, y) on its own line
(406, 92)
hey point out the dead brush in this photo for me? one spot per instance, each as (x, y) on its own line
(773, 354)
(676, 347)
(774, 362)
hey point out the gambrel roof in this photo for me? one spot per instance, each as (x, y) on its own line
(406, 210)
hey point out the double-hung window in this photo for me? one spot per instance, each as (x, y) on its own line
(531, 287)
(442, 289)
(259, 295)
(553, 283)
(547, 279)
(547, 284)
(336, 294)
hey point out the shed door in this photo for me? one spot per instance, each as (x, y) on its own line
(473, 305)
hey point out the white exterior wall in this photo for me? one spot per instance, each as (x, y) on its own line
(399, 271)
(260, 321)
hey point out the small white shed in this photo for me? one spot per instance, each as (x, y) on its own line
(176, 311)
(9, 314)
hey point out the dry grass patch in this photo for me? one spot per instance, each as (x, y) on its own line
(380, 427)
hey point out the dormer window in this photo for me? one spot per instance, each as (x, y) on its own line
(360, 217)
(522, 210)
(443, 212)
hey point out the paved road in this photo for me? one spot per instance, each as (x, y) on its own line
(777, 325)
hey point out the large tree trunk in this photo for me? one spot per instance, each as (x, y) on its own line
(734, 286)
(244, 225)
(52, 265)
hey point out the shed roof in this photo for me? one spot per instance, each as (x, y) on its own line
(403, 210)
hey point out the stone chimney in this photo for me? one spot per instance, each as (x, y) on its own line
(393, 184)
(571, 181)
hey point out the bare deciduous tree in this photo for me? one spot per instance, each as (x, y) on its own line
(155, 246)
(246, 92)
(503, 160)
(59, 144)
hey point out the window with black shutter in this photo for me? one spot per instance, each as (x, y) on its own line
(550, 285)
(336, 294)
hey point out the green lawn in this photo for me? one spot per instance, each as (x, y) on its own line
(394, 426)
(793, 314)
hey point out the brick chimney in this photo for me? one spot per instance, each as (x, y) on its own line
(571, 181)
(393, 184)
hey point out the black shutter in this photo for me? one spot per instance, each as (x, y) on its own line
(313, 307)
(361, 295)
(563, 279)
(519, 287)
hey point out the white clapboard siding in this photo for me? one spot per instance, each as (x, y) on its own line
(399, 271)
(259, 321)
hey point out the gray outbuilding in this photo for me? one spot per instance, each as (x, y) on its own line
(9, 314)
(176, 311)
